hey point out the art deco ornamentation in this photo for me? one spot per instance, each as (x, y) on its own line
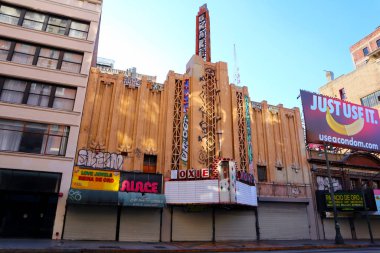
(241, 132)
(209, 95)
(176, 144)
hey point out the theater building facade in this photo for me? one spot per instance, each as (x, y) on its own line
(225, 168)
(192, 159)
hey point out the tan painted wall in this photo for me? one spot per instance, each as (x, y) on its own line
(119, 118)
(357, 84)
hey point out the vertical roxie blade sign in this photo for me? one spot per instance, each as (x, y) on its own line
(185, 129)
(203, 47)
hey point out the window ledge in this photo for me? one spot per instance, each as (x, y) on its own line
(45, 69)
(38, 156)
(47, 34)
(40, 108)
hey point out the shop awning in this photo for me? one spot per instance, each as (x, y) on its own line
(93, 197)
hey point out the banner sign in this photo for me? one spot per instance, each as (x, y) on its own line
(185, 129)
(89, 179)
(245, 177)
(340, 123)
(344, 201)
(377, 200)
(140, 182)
(249, 136)
(142, 200)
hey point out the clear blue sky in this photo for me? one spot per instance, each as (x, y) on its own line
(282, 46)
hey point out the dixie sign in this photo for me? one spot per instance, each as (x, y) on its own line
(194, 173)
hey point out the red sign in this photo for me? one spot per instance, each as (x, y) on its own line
(194, 174)
(139, 186)
(246, 177)
(340, 123)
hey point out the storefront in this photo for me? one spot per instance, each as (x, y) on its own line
(283, 221)
(114, 205)
(356, 172)
(357, 212)
(29, 202)
(140, 204)
(215, 205)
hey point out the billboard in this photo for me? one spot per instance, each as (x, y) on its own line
(340, 123)
(89, 179)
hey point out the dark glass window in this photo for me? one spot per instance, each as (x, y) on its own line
(34, 181)
(371, 100)
(150, 163)
(342, 94)
(50, 58)
(37, 94)
(262, 173)
(378, 43)
(365, 51)
(354, 183)
(34, 138)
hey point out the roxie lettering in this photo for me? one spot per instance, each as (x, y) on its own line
(138, 186)
(348, 110)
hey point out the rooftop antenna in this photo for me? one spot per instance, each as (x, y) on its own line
(236, 74)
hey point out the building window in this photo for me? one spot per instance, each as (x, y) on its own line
(378, 43)
(18, 136)
(150, 163)
(324, 185)
(354, 183)
(371, 100)
(37, 94)
(23, 54)
(262, 173)
(342, 94)
(4, 49)
(43, 22)
(365, 51)
(71, 62)
(33, 20)
(40, 56)
(29, 181)
(9, 15)
(78, 30)
(48, 58)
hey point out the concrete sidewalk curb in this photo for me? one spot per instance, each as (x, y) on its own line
(199, 249)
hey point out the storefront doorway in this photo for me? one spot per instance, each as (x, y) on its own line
(29, 202)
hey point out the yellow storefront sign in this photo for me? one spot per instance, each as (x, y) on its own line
(89, 179)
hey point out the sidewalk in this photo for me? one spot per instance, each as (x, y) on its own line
(44, 245)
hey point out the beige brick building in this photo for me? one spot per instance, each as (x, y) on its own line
(46, 50)
(361, 86)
